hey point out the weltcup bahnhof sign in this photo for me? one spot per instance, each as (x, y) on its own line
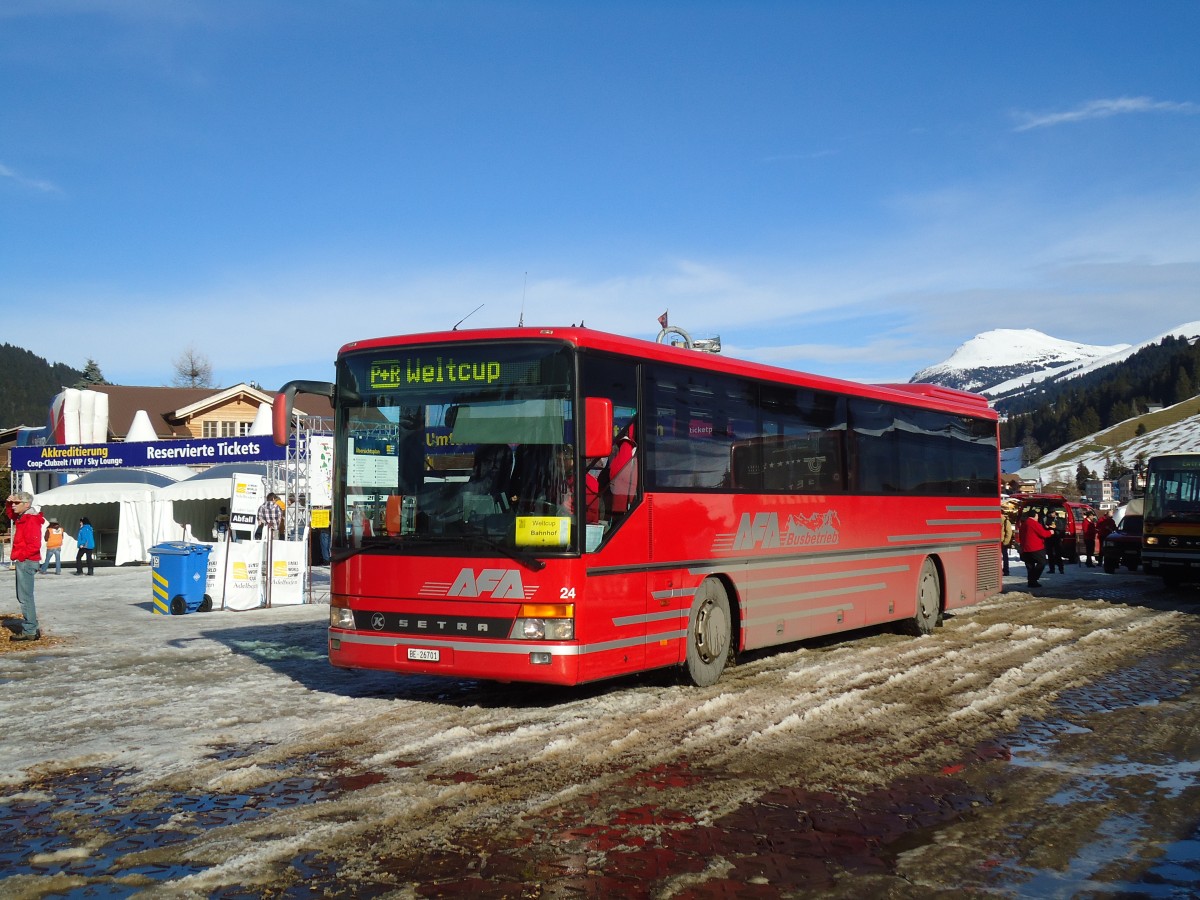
(144, 454)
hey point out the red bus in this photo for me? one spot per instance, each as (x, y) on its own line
(562, 505)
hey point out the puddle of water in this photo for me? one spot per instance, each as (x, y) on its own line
(80, 824)
(1034, 745)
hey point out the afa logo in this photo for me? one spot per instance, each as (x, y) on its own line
(502, 584)
(762, 531)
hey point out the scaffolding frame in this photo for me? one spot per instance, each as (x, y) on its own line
(289, 479)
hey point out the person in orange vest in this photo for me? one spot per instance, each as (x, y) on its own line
(53, 538)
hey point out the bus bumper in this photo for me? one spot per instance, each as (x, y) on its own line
(548, 663)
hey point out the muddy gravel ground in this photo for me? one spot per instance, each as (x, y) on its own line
(1034, 746)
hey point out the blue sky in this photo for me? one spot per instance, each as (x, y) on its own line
(849, 189)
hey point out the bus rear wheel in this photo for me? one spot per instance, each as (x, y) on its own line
(709, 634)
(929, 601)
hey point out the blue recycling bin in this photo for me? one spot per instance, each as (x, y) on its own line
(180, 574)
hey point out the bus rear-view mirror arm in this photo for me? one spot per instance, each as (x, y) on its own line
(281, 407)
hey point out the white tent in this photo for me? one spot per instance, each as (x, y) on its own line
(119, 504)
(186, 510)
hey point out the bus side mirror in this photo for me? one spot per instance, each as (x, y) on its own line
(281, 406)
(598, 439)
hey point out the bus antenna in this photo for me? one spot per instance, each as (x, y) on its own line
(521, 320)
(467, 316)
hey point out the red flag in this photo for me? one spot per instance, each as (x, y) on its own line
(662, 320)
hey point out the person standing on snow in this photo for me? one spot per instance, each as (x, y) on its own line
(1031, 539)
(1104, 528)
(1089, 536)
(1008, 531)
(86, 541)
(27, 557)
(1054, 545)
(54, 539)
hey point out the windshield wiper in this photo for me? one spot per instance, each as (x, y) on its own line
(414, 542)
(528, 560)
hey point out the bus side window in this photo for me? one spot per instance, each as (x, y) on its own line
(615, 487)
(619, 477)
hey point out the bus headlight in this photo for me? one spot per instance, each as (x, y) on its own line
(1151, 541)
(544, 622)
(340, 616)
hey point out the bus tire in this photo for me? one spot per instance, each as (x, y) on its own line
(929, 601)
(709, 634)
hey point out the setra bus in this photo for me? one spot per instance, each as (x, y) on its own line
(1171, 518)
(563, 505)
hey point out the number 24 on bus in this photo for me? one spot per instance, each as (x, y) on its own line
(562, 505)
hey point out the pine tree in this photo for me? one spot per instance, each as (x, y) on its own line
(1184, 388)
(92, 375)
(1082, 477)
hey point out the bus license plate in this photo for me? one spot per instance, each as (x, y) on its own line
(423, 655)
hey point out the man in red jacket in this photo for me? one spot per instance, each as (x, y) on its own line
(26, 557)
(1031, 540)
(1089, 537)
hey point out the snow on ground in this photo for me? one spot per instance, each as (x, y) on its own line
(123, 685)
(164, 699)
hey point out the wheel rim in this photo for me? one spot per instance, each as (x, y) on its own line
(712, 632)
(929, 595)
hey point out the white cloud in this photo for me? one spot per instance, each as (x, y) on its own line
(1103, 109)
(36, 184)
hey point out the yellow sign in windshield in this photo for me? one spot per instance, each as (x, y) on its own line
(543, 531)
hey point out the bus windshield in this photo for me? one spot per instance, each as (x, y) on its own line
(1173, 490)
(466, 448)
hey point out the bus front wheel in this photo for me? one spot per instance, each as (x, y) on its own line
(929, 601)
(709, 634)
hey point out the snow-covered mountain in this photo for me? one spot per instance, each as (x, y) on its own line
(1012, 356)
(1005, 363)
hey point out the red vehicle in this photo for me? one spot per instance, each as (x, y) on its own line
(723, 505)
(1047, 506)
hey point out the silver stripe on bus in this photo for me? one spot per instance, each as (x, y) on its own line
(729, 563)
(827, 576)
(511, 649)
(798, 614)
(625, 642)
(622, 621)
(673, 593)
(758, 605)
(811, 559)
(932, 522)
(964, 535)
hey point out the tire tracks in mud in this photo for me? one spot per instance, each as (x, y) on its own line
(860, 712)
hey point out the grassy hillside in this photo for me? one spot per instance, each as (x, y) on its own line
(1173, 429)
